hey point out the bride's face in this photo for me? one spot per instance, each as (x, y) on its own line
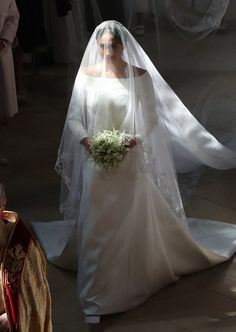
(110, 49)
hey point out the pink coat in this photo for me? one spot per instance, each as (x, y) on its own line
(9, 17)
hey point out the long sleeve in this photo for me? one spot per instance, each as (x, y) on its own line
(9, 17)
(148, 102)
(77, 110)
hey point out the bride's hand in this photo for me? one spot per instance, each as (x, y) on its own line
(132, 142)
(85, 143)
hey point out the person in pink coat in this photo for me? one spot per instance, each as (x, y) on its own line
(9, 17)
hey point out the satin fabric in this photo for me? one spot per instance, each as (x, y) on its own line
(128, 242)
(122, 256)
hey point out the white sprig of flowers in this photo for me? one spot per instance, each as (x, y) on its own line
(108, 148)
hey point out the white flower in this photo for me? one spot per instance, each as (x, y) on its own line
(108, 148)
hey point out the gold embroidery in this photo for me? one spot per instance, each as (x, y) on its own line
(14, 262)
(34, 300)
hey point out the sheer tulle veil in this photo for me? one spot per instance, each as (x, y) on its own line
(147, 127)
(168, 132)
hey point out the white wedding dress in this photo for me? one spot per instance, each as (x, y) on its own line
(128, 243)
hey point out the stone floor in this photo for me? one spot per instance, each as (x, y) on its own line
(203, 302)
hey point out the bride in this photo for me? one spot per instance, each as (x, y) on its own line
(124, 229)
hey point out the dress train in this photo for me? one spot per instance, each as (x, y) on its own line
(128, 243)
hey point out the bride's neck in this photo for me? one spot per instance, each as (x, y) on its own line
(116, 68)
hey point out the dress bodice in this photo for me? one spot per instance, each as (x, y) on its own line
(100, 103)
(107, 104)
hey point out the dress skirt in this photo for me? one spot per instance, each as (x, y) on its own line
(128, 242)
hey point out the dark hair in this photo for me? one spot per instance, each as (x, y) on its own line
(113, 31)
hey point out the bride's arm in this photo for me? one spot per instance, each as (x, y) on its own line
(149, 115)
(77, 113)
(148, 102)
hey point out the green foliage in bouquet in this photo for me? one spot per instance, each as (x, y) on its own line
(108, 148)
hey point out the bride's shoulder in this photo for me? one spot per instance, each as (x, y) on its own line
(139, 71)
(93, 71)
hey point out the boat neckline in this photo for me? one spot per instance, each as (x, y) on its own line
(116, 78)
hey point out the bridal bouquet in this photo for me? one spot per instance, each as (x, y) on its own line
(108, 148)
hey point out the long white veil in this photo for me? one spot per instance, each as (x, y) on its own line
(199, 23)
(142, 121)
(176, 132)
